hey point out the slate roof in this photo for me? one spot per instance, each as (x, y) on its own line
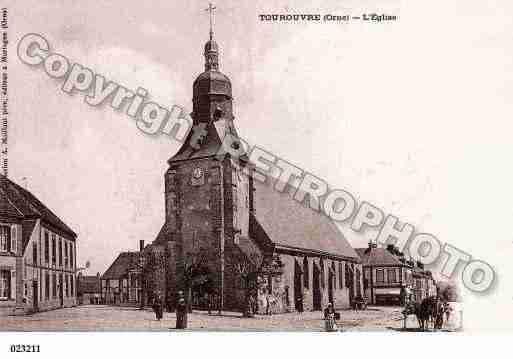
(378, 257)
(288, 224)
(88, 284)
(122, 265)
(20, 203)
(216, 132)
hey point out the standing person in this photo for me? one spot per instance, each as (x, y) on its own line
(409, 294)
(402, 295)
(251, 306)
(181, 312)
(299, 300)
(158, 306)
(209, 303)
(269, 309)
(329, 319)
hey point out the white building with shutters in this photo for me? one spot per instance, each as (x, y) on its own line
(37, 254)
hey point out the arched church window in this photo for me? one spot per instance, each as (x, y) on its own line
(340, 275)
(323, 280)
(306, 274)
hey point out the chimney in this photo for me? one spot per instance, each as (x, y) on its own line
(141, 245)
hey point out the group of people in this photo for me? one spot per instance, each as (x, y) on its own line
(181, 309)
(330, 316)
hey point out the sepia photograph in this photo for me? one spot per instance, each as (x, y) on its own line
(238, 168)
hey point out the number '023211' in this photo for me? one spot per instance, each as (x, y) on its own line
(25, 348)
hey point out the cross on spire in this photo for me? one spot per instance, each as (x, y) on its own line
(211, 9)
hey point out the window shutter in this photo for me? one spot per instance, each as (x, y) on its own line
(12, 284)
(14, 239)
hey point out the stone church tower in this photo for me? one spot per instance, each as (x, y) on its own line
(220, 222)
(208, 198)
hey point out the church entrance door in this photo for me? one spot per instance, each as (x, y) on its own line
(202, 289)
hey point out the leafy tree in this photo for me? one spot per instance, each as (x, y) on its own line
(448, 291)
(154, 272)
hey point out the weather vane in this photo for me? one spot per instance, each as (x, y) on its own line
(211, 9)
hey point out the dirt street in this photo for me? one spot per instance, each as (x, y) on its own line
(106, 318)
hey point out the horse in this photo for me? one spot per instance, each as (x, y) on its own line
(441, 309)
(426, 311)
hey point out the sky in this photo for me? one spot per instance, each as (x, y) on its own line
(413, 116)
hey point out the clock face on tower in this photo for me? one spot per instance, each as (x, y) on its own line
(197, 173)
(197, 177)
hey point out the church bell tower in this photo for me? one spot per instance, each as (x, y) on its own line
(207, 197)
(212, 90)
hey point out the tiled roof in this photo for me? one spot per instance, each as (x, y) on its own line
(165, 234)
(289, 224)
(120, 267)
(378, 257)
(15, 200)
(7, 208)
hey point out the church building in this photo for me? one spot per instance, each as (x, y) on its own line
(229, 237)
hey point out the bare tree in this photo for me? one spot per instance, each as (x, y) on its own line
(249, 268)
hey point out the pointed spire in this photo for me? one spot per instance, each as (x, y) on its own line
(211, 9)
(211, 50)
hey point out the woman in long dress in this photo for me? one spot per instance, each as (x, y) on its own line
(329, 319)
(157, 307)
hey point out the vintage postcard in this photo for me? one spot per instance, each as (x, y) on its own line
(306, 166)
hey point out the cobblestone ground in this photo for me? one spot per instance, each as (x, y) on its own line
(106, 318)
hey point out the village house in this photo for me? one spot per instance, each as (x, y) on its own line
(386, 271)
(230, 236)
(88, 289)
(121, 282)
(424, 285)
(37, 254)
